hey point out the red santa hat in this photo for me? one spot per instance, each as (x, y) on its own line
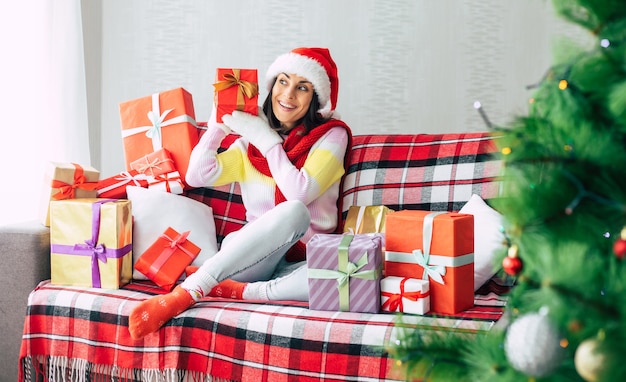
(317, 66)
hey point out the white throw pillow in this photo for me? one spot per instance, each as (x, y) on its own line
(488, 238)
(155, 210)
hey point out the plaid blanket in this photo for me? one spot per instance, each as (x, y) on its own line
(76, 334)
(432, 172)
(73, 333)
(435, 172)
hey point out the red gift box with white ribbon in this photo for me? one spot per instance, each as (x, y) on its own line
(166, 259)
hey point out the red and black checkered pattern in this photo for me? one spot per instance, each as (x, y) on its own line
(434, 172)
(86, 330)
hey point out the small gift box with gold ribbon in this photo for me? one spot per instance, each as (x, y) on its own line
(236, 89)
(434, 246)
(170, 182)
(114, 187)
(404, 295)
(344, 272)
(91, 242)
(366, 219)
(67, 181)
(166, 259)
(153, 164)
(163, 120)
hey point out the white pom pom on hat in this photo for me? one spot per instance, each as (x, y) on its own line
(317, 66)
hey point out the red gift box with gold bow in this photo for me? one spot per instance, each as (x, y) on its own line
(166, 259)
(236, 89)
(67, 181)
(434, 246)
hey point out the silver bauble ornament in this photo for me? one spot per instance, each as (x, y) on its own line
(588, 360)
(532, 345)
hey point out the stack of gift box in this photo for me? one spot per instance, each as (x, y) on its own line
(90, 219)
(406, 261)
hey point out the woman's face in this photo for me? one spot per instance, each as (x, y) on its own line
(291, 97)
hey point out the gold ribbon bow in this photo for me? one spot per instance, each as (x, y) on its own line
(247, 88)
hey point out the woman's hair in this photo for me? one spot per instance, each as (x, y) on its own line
(311, 119)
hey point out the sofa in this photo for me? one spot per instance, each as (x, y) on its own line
(64, 333)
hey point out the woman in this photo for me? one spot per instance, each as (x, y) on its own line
(289, 163)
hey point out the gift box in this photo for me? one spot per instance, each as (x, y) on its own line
(91, 242)
(153, 164)
(163, 120)
(167, 258)
(344, 272)
(114, 187)
(404, 295)
(66, 181)
(236, 89)
(434, 246)
(171, 183)
(366, 219)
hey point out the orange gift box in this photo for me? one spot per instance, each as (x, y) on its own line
(236, 89)
(115, 186)
(163, 120)
(67, 181)
(166, 259)
(434, 246)
(153, 164)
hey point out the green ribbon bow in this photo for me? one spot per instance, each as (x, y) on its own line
(345, 271)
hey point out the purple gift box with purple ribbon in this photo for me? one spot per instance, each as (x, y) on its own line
(344, 272)
(91, 242)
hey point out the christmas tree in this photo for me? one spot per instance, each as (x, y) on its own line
(564, 203)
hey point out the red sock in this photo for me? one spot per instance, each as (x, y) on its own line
(190, 270)
(228, 289)
(151, 314)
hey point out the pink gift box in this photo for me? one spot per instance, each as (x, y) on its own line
(344, 272)
(155, 163)
(404, 295)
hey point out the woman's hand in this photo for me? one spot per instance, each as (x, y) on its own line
(212, 123)
(254, 129)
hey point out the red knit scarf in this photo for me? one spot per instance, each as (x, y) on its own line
(297, 146)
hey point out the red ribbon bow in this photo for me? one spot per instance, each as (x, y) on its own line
(394, 303)
(68, 191)
(171, 245)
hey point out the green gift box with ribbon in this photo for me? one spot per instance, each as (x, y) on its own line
(344, 272)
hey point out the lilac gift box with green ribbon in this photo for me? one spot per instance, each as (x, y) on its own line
(344, 272)
(91, 242)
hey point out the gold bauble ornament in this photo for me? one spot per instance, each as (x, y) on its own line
(588, 360)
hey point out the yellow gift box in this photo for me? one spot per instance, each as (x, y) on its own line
(366, 219)
(91, 242)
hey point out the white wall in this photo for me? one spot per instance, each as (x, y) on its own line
(405, 66)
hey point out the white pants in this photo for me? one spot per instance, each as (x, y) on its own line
(257, 253)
